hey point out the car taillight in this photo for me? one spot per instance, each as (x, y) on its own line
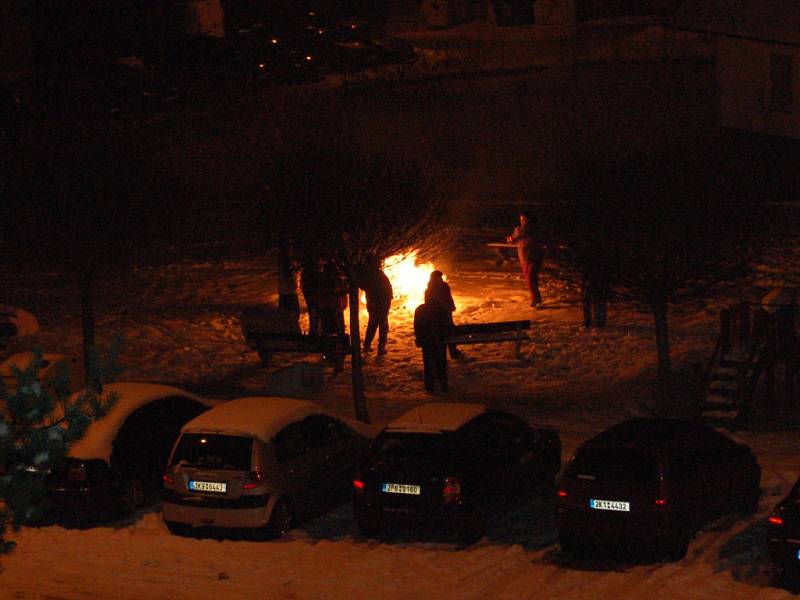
(452, 490)
(254, 479)
(775, 520)
(661, 502)
(562, 493)
(77, 472)
(168, 479)
(358, 485)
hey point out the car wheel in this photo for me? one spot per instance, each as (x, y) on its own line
(132, 495)
(471, 529)
(181, 529)
(369, 526)
(281, 521)
(750, 499)
(570, 546)
(675, 547)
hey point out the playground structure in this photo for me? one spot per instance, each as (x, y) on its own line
(752, 376)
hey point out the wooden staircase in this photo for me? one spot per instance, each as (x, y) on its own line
(731, 377)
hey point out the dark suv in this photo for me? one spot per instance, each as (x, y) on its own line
(649, 484)
(450, 464)
(783, 531)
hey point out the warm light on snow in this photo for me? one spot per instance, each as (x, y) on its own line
(409, 279)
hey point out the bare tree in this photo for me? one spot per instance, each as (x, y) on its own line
(83, 207)
(664, 228)
(343, 205)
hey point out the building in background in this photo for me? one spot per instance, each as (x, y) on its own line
(756, 45)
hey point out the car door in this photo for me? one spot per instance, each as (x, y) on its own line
(516, 442)
(330, 451)
(489, 467)
(296, 462)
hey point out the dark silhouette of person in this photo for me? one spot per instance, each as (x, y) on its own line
(438, 292)
(530, 251)
(378, 290)
(595, 292)
(310, 276)
(431, 328)
(331, 302)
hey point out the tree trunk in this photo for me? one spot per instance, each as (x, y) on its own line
(357, 371)
(91, 379)
(664, 366)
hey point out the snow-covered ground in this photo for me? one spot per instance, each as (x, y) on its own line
(180, 325)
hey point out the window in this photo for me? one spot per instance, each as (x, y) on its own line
(781, 79)
(290, 443)
(214, 451)
(320, 431)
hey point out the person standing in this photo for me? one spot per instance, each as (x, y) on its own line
(378, 290)
(331, 302)
(530, 251)
(438, 292)
(594, 292)
(431, 328)
(309, 284)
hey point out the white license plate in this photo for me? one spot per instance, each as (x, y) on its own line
(400, 488)
(610, 505)
(208, 486)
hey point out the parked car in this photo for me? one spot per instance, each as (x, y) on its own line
(262, 464)
(649, 484)
(450, 464)
(117, 465)
(783, 531)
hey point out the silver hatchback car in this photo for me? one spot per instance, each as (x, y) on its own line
(260, 463)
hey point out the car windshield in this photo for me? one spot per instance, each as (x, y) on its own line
(393, 444)
(617, 465)
(214, 451)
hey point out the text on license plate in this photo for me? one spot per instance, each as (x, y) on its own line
(609, 505)
(400, 488)
(208, 486)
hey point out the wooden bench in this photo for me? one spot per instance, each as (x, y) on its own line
(505, 251)
(487, 333)
(270, 331)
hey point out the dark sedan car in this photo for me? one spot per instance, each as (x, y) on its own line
(449, 464)
(649, 484)
(783, 531)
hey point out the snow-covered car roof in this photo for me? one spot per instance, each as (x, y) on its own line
(263, 417)
(98, 440)
(436, 417)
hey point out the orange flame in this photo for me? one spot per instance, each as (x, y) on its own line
(409, 279)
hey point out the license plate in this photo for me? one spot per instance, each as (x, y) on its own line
(610, 505)
(798, 554)
(400, 488)
(208, 486)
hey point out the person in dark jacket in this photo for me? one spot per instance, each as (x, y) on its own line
(309, 284)
(438, 292)
(331, 302)
(378, 290)
(530, 251)
(595, 292)
(431, 328)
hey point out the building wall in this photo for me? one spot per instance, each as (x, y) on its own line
(759, 86)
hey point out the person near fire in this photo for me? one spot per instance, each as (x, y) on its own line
(378, 290)
(438, 292)
(530, 251)
(331, 302)
(432, 325)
